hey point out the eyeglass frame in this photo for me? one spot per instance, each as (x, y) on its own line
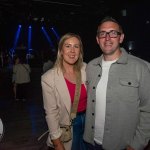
(108, 33)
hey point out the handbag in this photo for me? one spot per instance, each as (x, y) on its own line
(66, 135)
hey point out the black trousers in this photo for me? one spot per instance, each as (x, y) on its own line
(22, 91)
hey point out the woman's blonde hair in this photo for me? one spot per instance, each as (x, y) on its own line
(59, 59)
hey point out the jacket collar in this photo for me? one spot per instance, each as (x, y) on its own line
(122, 60)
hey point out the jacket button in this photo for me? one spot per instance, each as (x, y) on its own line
(129, 83)
(92, 114)
(93, 100)
(92, 127)
(94, 87)
(99, 75)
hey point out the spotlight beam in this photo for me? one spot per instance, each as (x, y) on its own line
(48, 38)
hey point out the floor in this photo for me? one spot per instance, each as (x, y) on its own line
(24, 122)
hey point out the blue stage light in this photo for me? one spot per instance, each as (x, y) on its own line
(48, 37)
(12, 50)
(55, 33)
(29, 37)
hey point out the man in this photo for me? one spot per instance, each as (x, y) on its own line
(118, 84)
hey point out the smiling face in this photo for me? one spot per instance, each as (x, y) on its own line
(71, 51)
(110, 46)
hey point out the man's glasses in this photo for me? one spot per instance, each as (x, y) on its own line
(112, 34)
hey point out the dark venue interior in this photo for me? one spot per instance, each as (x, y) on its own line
(25, 122)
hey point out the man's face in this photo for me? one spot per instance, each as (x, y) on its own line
(109, 38)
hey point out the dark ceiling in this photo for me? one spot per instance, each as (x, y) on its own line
(56, 10)
(44, 10)
(60, 10)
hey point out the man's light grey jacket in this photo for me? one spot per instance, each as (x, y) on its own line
(127, 120)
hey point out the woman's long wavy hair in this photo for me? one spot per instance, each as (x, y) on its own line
(59, 60)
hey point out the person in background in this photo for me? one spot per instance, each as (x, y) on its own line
(118, 87)
(58, 86)
(15, 62)
(48, 64)
(21, 72)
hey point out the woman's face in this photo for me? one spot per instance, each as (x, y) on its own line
(71, 51)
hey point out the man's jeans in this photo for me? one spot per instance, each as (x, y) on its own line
(94, 147)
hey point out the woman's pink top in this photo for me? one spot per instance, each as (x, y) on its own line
(83, 95)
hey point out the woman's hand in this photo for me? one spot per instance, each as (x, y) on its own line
(58, 145)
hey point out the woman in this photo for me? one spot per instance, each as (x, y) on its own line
(58, 85)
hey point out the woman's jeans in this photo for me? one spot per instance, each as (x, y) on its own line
(78, 130)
